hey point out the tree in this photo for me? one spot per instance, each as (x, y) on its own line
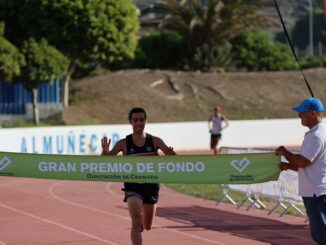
(44, 63)
(209, 23)
(300, 32)
(170, 54)
(101, 31)
(10, 58)
(255, 51)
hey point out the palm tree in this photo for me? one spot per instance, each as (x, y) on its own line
(209, 23)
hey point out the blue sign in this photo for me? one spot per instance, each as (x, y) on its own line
(65, 144)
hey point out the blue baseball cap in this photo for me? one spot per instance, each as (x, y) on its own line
(310, 104)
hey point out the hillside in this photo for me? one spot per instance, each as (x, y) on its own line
(189, 96)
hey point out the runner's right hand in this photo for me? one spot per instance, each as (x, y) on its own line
(105, 145)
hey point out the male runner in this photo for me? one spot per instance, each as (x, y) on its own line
(141, 198)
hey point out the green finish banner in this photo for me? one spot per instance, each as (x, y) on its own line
(196, 169)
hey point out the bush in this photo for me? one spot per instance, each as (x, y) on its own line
(255, 51)
(220, 59)
(313, 61)
(300, 30)
(161, 49)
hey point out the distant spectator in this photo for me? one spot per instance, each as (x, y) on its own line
(215, 127)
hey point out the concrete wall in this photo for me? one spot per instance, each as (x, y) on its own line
(182, 136)
(46, 111)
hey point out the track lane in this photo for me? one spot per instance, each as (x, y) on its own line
(96, 209)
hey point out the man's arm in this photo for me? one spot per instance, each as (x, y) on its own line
(159, 143)
(286, 166)
(295, 160)
(119, 146)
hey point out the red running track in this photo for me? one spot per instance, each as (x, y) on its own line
(34, 211)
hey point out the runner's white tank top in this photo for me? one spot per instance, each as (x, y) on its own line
(217, 124)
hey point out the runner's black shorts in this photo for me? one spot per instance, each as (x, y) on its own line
(216, 136)
(214, 139)
(149, 193)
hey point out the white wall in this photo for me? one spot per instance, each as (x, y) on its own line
(182, 136)
(264, 133)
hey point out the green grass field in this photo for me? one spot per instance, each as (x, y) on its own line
(206, 191)
(214, 192)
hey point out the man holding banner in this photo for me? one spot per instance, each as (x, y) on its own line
(311, 166)
(141, 198)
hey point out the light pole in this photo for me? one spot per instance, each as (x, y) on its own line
(311, 37)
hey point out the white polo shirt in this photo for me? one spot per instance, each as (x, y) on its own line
(312, 179)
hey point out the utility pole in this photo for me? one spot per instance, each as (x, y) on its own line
(311, 34)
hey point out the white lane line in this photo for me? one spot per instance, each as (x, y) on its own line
(126, 218)
(194, 236)
(233, 222)
(51, 191)
(57, 224)
(108, 188)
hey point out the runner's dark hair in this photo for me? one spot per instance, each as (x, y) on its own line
(136, 110)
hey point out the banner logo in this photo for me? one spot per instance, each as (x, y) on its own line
(4, 162)
(240, 165)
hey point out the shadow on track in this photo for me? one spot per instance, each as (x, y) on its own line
(251, 227)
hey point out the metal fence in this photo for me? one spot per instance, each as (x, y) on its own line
(14, 97)
(318, 50)
(284, 190)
